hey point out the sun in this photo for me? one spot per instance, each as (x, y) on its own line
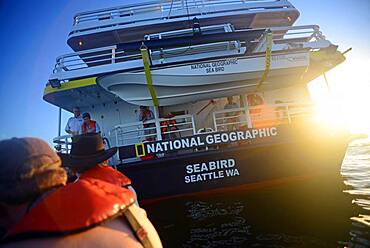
(347, 99)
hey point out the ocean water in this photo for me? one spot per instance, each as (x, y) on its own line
(336, 214)
(356, 171)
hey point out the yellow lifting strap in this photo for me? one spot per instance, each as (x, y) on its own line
(267, 59)
(148, 74)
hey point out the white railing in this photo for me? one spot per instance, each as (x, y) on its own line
(91, 58)
(109, 59)
(304, 36)
(168, 9)
(137, 132)
(293, 37)
(103, 57)
(63, 143)
(184, 125)
(302, 33)
(259, 116)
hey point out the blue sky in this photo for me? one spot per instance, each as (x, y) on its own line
(34, 33)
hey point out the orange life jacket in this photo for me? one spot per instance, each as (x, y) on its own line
(64, 211)
(168, 125)
(91, 126)
(107, 174)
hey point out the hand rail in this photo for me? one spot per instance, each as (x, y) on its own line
(137, 132)
(174, 9)
(63, 143)
(184, 125)
(261, 115)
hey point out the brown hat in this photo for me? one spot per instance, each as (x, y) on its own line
(28, 167)
(87, 151)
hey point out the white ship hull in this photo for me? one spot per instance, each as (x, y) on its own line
(207, 79)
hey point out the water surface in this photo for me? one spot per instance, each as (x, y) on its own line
(331, 213)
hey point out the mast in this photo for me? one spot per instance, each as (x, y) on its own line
(59, 121)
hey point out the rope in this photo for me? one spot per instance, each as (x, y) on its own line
(267, 59)
(169, 13)
(327, 82)
(204, 107)
(148, 74)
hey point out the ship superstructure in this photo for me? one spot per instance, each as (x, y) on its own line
(183, 59)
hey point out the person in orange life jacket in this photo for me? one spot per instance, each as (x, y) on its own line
(84, 159)
(145, 114)
(231, 118)
(86, 145)
(52, 214)
(88, 125)
(149, 128)
(29, 168)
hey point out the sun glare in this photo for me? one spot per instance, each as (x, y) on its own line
(347, 100)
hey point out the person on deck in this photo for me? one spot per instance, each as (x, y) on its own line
(145, 114)
(149, 128)
(88, 125)
(38, 208)
(74, 123)
(231, 118)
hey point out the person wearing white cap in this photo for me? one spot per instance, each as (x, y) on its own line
(74, 123)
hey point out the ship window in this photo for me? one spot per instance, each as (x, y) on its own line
(152, 37)
(182, 112)
(104, 17)
(124, 14)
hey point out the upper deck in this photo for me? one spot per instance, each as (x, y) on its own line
(127, 23)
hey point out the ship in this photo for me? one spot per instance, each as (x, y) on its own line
(186, 61)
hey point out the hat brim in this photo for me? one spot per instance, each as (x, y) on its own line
(85, 162)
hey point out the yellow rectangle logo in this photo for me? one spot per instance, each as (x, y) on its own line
(140, 150)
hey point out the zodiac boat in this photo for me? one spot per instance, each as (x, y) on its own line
(217, 65)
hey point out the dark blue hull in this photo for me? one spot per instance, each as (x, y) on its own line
(296, 154)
